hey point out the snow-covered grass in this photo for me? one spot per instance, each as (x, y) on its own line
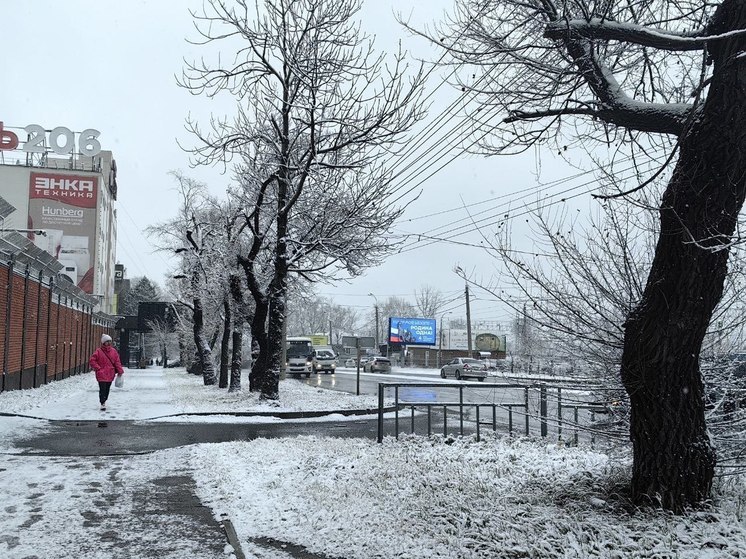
(419, 497)
(415, 497)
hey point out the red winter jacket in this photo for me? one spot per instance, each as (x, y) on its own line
(105, 361)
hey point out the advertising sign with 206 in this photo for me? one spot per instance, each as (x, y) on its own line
(60, 140)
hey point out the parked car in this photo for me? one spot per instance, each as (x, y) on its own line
(464, 367)
(352, 362)
(377, 365)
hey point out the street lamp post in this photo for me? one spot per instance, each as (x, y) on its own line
(376, 307)
(440, 340)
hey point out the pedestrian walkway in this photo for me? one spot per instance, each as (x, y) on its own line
(100, 506)
(99, 478)
(145, 395)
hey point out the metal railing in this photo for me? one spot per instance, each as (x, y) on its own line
(531, 402)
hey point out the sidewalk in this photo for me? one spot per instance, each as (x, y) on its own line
(317, 496)
(106, 506)
(145, 395)
(112, 506)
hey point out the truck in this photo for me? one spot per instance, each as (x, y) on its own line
(299, 356)
(324, 359)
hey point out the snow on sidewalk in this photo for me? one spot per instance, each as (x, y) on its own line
(145, 395)
(157, 392)
(416, 497)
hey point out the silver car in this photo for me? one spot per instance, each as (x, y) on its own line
(377, 365)
(464, 367)
(352, 362)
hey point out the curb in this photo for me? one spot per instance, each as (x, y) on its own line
(288, 414)
(278, 414)
(230, 533)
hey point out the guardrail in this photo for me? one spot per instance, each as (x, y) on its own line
(530, 401)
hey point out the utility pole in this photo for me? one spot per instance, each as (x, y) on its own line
(468, 321)
(440, 342)
(377, 343)
(376, 300)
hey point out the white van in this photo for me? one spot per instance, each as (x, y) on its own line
(324, 360)
(299, 356)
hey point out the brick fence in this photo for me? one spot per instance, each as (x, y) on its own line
(48, 330)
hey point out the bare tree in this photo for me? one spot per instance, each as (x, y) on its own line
(578, 286)
(636, 75)
(391, 306)
(345, 322)
(190, 232)
(316, 111)
(309, 314)
(163, 333)
(428, 301)
(230, 241)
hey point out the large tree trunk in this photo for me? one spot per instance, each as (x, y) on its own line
(269, 377)
(225, 342)
(269, 383)
(259, 335)
(238, 324)
(259, 340)
(236, 359)
(674, 459)
(203, 349)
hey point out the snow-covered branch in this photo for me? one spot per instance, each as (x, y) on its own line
(606, 30)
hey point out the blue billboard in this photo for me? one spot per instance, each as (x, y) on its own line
(412, 331)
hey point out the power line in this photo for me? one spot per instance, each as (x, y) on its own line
(472, 226)
(505, 207)
(137, 259)
(427, 134)
(437, 154)
(443, 144)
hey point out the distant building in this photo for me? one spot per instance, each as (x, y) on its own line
(64, 205)
(121, 288)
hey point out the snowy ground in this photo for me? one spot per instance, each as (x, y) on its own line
(345, 498)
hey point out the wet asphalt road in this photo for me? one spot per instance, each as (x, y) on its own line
(106, 437)
(99, 438)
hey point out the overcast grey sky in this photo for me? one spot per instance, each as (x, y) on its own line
(112, 66)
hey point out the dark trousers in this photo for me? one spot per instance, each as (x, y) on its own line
(103, 391)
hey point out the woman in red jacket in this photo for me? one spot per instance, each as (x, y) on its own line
(105, 362)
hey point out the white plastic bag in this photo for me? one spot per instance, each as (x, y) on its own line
(119, 381)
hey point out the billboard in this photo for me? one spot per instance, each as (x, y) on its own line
(455, 338)
(490, 342)
(64, 206)
(319, 339)
(412, 331)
